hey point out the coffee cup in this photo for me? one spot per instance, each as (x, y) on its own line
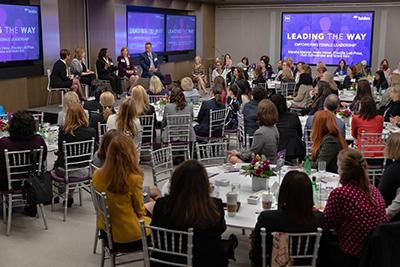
(231, 203)
(267, 199)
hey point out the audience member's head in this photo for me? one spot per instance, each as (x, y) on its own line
(394, 79)
(75, 118)
(155, 85)
(70, 98)
(105, 142)
(239, 73)
(259, 93)
(127, 113)
(219, 82)
(216, 92)
(97, 93)
(367, 108)
(296, 197)
(332, 102)
(141, 99)
(352, 71)
(328, 77)
(107, 102)
(324, 124)
(287, 73)
(360, 69)
(267, 113)
(227, 57)
(257, 73)
(322, 90)
(178, 97)
(342, 65)
(306, 69)
(392, 150)
(121, 162)
(64, 54)
(245, 61)
(384, 64)
(363, 89)
(219, 65)
(379, 78)
(22, 126)
(234, 91)
(299, 66)
(280, 103)
(189, 200)
(395, 93)
(187, 84)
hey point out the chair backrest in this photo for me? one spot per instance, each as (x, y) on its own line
(102, 129)
(161, 164)
(155, 98)
(301, 246)
(373, 145)
(217, 122)
(78, 156)
(19, 164)
(287, 88)
(212, 154)
(243, 138)
(195, 99)
(101, 208)
(147, 123)
(179, 128)
(169, 243)
(307, 140)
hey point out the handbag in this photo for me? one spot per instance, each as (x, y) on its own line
(37, 188)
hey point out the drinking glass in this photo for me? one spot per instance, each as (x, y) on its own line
(321, 166)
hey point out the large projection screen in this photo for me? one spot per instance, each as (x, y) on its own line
(327, 37)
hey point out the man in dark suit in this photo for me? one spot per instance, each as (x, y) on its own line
(59, 78)
(149, 63)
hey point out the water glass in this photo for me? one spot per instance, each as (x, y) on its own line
(321, 166)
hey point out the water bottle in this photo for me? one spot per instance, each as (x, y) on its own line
(314, 189)
(380, 90)
(191, 101)
(307, 165)
(41, 131)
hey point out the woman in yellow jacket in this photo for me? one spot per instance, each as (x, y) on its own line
(121, 179)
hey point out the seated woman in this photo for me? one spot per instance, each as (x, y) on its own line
(94, 105)
(287, 75)
(127, 121)
(302, 98)
(78, 68)
(363, 89)
(75, 129)
(290, 130)
(238, 74)
(296, 72)
(219, 71)
(191, 94)
(219, 82)
(59, 78)
(106, 71)
(393, 108)
(322, 90)
(341, 69)
(320, 70)
(177, 106)
(156, 87)
(126, 68)
(199, 75)
(368, 121)
(203, 118)
(121, 179)
(189, 204)
(380, 82)
(265, 67)
(152, 192)
(327, 140)
(351, 77)
(295, 214)
(385, 99)
(258, 77)
(328, 77)
(250, 110)
(22, 130)
(305, 75)
(266, 138)
(70, 98)
(233, 105)
(107, 104)
(390, 183)
(353, 210)
(244, 92)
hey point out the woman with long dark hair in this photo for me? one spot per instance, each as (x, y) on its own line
(341, 69)
(380, 81)
(106, 71)
(354, 209)
(295, 214)
(363, 89)
(189, 204)
(322, 90)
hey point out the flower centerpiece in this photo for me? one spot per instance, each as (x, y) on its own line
(162, 101)
(3, 127)
(345, 114)
(259, 170)
(352, 87)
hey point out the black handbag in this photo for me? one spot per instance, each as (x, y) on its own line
(37, 188)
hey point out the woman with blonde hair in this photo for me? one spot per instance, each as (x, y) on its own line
(107, 102)
(70, 98)
(79, 69)
(393, 81)
(75, 129)
(188, 90)
(199, 74)
(156, 87)
(127, 120)
(328, 77)
(287, 74)
(126, 68)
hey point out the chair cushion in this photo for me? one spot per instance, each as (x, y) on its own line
(12, 191)
(71, 179)
(231, 131)
(178, 143)
(202, 138)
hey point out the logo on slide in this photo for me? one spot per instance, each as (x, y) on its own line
(287, 18)
(361, 17)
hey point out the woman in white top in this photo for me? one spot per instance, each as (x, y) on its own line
(219, 71)
(70, 98)
(127, 121)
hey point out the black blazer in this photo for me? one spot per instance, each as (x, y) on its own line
(207, 245)
(83, 133)
(145, 62)
(92, 105)
(250, 117)
(58, 75)
(101, 71)
(203, 117)
(393, 110)
(123, 67)
(290, 134)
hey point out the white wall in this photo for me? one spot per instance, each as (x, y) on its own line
(255, 30)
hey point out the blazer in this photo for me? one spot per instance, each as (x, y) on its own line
(125, 210)
(265, 142)
(203, 117)
(390, 182)
(83, 133)
(92, 105)
(303, 98)
(145, 62)
(58, 76)
(290, 134)
(76, 67)
(393, 110)
(170, 109)
(123, 67)
(328, 151)
(250, 117)
(101, 71)
(207, 244)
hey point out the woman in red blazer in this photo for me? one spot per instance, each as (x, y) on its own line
(126, 67)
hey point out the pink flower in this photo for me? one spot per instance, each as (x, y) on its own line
(258, 172)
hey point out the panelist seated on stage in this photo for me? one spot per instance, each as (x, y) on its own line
(149, 63)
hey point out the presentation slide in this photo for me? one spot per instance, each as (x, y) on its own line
(19, 33)
(143, 28)
(327, 37)
(181, 33)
